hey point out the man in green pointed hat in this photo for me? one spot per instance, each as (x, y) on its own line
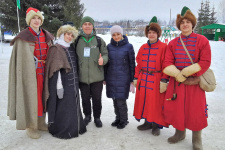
(185, 105)
(151, 83)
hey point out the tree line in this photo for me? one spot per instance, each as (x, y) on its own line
(56, 12)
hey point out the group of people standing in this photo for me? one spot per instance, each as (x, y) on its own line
(47, 77)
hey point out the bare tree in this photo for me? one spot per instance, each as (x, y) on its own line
(221, 11)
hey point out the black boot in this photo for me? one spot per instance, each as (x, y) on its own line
(115, 123)
(145, 126)
(87, 119)
(98, 122)
(122, 125)
(155, 129)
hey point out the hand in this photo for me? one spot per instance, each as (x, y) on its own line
(104, 82)
(132, 89)
(180, 77)
(100, 60)
(135, 82)
(163, 87)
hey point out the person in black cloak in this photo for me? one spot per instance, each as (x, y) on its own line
(61, 89)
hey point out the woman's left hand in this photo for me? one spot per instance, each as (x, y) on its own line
(100, 60)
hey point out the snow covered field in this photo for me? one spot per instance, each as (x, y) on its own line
(111, 138)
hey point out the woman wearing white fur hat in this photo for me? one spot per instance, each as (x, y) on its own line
(61, 89)
(26, 75)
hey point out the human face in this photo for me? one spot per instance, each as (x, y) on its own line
(117, 36)
(35, 22)
(152, 36)
(68, 37)
(186, 27)
(87, 28)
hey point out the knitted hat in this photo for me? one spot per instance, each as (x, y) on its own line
(87, 19)
(186, 14)
(31, 12)
(154, 26)
(115, 29)
(67, 29)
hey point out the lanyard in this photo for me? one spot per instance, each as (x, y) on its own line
(89, 40)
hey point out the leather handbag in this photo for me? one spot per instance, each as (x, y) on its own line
(207, 79)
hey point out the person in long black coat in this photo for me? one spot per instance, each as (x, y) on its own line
(63, 104)
(119, 74)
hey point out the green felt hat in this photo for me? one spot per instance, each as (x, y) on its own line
(184, 10)
(153, 20)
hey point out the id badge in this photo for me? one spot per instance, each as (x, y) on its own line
(87, 51)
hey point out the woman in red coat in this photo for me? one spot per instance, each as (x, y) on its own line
(150, 82)
(188, 109)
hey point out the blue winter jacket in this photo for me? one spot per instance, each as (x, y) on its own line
(119, 71)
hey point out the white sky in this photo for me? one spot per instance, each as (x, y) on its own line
(115, 10)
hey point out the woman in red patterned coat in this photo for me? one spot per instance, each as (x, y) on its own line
(150, 81)
(188, 109)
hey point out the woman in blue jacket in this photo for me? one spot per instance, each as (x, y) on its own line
(119, 74)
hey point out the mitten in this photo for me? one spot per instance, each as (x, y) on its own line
(135, 82)
(163, 87)
(60, 90)
(190, 70)
(171, 71)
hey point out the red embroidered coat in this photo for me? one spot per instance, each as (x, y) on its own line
(40, 52)
(189, 109)
(148, 100)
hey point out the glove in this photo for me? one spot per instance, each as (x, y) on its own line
(192, 81)
(163, 87)
(132, 89)
(60, 93)
(171, 71)
(59, 87)
(180, 77)
(190, 70)
(135, 83)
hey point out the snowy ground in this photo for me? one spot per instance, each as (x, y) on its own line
(108, 137)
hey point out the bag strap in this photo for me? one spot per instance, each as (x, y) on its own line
(185, 48)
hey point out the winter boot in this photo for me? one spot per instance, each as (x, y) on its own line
(122, 125)
(98, 122)
(33, 133)
(115, 123)
(41, 124)
(87, 119)
(145, 126)
(178, 136)
(155, 129)
(197, 140)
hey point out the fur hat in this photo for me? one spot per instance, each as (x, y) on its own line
(31, 12)
(67, 29)
(115, 29)
(87, 19)
(186, 14)
(153, 25)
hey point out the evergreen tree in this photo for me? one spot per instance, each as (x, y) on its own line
(200, 19)
(55, 13)
(206, 16)
(213, 18)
